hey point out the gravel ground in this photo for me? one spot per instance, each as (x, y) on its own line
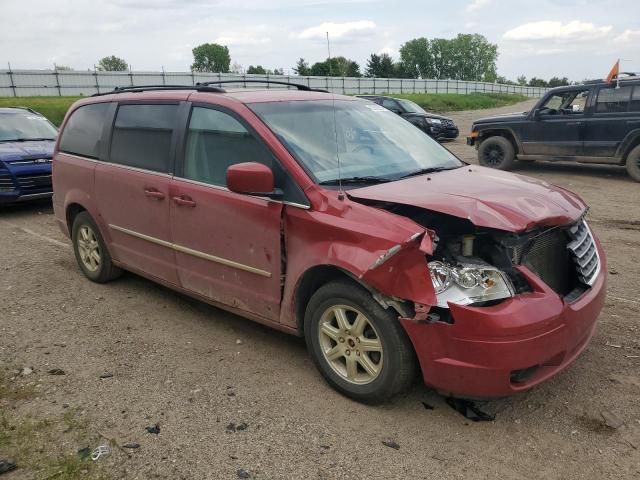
(194, 370)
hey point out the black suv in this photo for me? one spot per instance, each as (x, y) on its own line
(595, 122)
(439, 127)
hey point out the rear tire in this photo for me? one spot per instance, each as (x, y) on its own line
(90, 250)
(496, 152)
(633, 163)
(359, 347)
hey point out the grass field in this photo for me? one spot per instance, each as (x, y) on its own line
(54, 108)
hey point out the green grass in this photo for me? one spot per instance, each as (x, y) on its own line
(447, 102)
(54, 108)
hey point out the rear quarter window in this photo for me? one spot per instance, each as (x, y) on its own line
(142, 136)
(613, 100)
(82, 132)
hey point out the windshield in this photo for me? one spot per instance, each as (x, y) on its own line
(410, 107)
(370, 141)
(21, 125)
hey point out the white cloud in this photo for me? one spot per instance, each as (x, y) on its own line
(554, 30)
(392, 52)
(336, 30)
(628, 36)
(476, 5)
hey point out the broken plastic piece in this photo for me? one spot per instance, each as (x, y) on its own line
(7, 466)
(100, 451)
(469, 410)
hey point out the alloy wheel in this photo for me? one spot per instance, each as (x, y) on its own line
(350, 344)
(89, 248)
(493, 155)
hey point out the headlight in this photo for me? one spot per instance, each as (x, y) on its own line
(468, 283)
(433, 121)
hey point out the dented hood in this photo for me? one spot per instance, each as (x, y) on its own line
(488, 198)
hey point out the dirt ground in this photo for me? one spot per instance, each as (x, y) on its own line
(194, 369)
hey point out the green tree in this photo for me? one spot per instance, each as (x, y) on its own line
(521, 80)
(211, 57)
(558, 82)
(278, 71)
(465, 57)
(380, 66)
(62, 68)
(302, 67)
(112, 64)
(339, 67)
(538, 82)
(257, 70)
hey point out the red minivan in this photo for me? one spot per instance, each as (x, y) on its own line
(333, 218)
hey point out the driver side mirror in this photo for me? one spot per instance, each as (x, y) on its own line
(536, 114)
(252, 178)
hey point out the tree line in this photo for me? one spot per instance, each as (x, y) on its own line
(469, 57)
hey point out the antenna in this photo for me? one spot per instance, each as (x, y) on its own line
(335, 125)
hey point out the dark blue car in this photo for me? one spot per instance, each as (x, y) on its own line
(26, 147)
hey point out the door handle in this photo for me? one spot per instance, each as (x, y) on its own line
(184, 201)
(153, 193)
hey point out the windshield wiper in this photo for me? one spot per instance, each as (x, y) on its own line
(356, 180)
(27, 140)
(424, 171)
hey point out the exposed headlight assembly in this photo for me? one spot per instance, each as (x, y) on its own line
(433, 121)
(468, 283)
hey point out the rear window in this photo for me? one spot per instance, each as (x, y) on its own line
(613, 100)
(142, 136)
(81, 134)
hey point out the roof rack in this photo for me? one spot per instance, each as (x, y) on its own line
(148, 88)
(299, 86)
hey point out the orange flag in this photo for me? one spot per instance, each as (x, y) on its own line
(614, 72)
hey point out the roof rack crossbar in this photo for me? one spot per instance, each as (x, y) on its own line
(299, 86)
(146, 88)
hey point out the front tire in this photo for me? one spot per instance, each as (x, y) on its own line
(633, 163)
(90, 250)
(359, 347)
(496, 152)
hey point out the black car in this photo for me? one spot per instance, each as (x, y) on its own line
(439, 127)
(595, 122)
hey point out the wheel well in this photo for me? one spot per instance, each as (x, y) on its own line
(72, 212)
(627, 151)
(311, 281)
(500, 133)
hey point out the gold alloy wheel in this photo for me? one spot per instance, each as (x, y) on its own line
(350, 344)
(89, 248)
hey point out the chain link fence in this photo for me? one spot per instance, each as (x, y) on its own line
(26, 83)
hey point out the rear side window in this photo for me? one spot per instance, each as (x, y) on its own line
(142, 136)
(82, 133)
(635, 99)
(613, 100)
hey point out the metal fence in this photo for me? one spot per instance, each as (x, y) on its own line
(24, 83)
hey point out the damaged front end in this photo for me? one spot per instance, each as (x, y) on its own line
(479, 266)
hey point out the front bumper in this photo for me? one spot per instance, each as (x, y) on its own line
(499, 350)
(24, 184)
(471, 141)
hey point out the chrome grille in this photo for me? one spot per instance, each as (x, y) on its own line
(584, 252)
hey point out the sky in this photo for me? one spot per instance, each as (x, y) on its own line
(574, 38)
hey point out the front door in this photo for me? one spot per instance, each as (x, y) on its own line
(558, 129)
(228, 245)
(132, 189)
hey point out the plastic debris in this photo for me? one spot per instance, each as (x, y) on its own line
(100, 451)
(232, 427)
(155, 429)
(242, 473)
(106, 375)
(56, 371)
(391, 444)
(469, 410)
(131, 445)
(9, 465)
(84, 453)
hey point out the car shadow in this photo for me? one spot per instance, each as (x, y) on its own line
(15, 210)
